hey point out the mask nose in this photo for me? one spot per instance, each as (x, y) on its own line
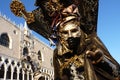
(69, 34)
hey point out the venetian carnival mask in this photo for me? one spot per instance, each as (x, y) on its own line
(70, 32)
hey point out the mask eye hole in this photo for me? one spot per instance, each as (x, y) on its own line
(64, 32)
(74, 30)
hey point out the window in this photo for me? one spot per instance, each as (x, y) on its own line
(4, 40)
(15, 32)
(39, 55)
(51, 62)
(25, 51)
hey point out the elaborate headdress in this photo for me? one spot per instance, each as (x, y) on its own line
(70, 13)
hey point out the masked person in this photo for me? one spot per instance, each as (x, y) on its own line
(81, 57)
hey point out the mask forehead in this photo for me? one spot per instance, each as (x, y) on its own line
(69, 27)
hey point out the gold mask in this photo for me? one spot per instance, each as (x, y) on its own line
(69, 29)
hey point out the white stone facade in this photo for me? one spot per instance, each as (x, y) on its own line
(22, 56)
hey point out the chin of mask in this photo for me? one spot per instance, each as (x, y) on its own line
(73, 42)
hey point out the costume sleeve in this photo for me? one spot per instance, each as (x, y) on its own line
(56, 66)
(109, 67)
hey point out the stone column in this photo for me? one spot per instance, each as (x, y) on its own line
(12, 71)
(45, 77)
(28, 75)
(31, 76)
(23, 75)
(5, 71)
(48, 78)
(18, 72)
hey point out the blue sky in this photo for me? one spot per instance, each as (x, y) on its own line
(108, 22)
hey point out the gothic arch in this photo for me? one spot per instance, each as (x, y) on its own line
(20, 74)
(15, 73)
(9, 72)
(2, 71)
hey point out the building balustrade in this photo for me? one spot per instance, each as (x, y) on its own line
(13, 70)
(17, 72)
